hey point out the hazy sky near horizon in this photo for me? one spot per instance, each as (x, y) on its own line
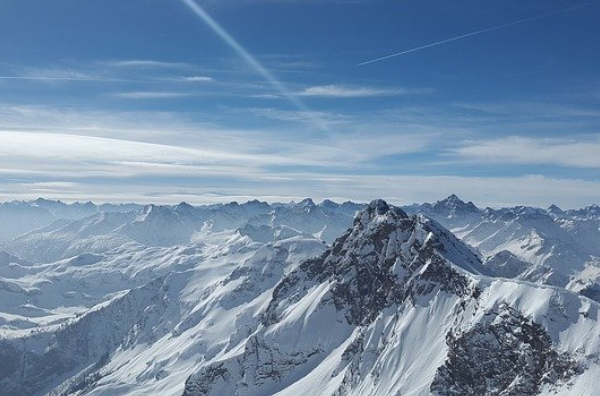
(210, 101)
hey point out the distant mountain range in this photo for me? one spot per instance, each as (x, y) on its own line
(298, 299)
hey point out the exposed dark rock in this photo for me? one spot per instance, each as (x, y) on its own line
(210, 375)
(505, 354)
(260, 363)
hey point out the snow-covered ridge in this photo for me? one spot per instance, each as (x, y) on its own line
(87, 228)
(549, 246)
(386, 258)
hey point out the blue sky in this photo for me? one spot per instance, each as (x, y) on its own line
(143, 100)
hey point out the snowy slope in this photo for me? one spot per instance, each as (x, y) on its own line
(548, 246)
(20, 217)
(189, 300)
(164, 226)
(17, 218)
(62, 238)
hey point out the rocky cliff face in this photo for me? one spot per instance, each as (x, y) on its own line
(504, 354)
(386, 258)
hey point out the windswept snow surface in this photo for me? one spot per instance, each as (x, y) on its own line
(299, 299)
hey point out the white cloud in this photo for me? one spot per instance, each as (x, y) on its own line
(328, 119)
(80, 154)
(99, 72)
(166, 157)
(152, 95)
(534, 110)
(193, 152)
(88, 147)
(202, 79)
(340, 91)
(580, 153)
(359, 149)
(58, 75)
(148, 64)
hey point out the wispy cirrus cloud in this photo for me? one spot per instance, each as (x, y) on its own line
(343, 91)
(532, 109)
(78, 157)
(329, 119)
(152, 95)
(129, 156)
(199, 79)
(157, 73)
(51, 142)
(127, 125)
(57, 79)
(147, 64)
(55, 75)
(579, 153)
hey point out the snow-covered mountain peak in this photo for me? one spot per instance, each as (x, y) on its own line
(184, 207)
(42, 202)
(522, 211)
(327, 203)
(307, 205)
(555, 208)
(255, 203)
(379, 211)
(556, 212)
(452, 199)
(382, 224)
(151, 212)
(386, 258)
(454, 205)
(591, 212)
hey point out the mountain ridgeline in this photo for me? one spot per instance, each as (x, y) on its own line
(298, 299)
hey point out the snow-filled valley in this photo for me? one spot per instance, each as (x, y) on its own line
(298, 299)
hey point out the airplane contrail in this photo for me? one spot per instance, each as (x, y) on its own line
(252, 61)
(478, 32)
